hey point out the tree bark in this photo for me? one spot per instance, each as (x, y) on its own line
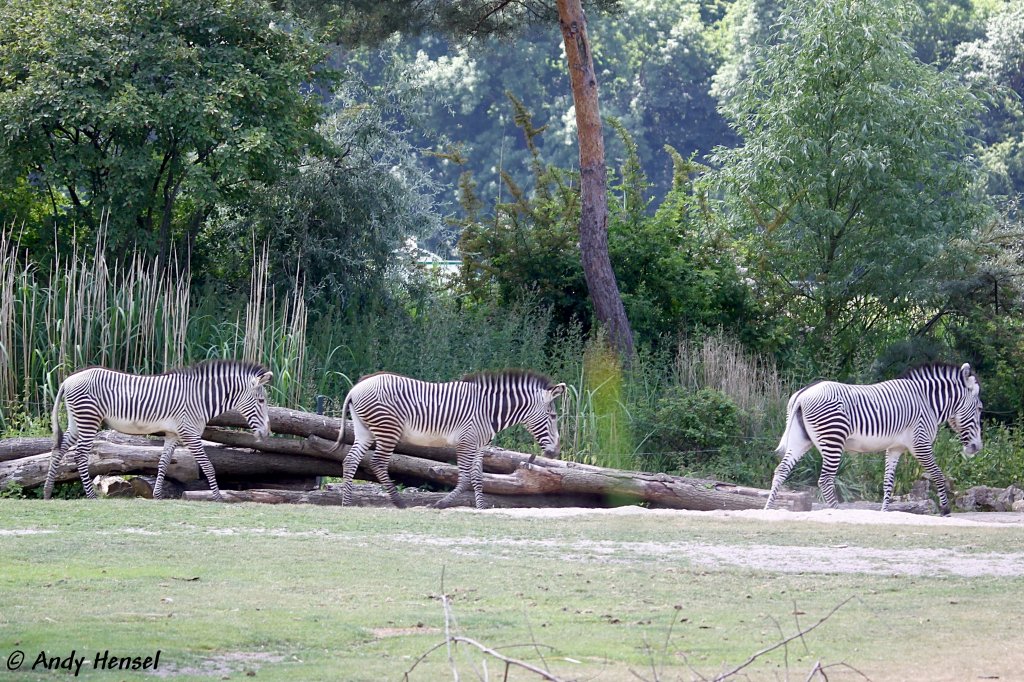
(372, 495)
(597, 265)
(291, 459)
(16, 448)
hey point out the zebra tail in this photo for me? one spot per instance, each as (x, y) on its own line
(55, 421)
(341, 429)
(794, 427)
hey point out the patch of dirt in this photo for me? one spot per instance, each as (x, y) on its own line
(861, 516)
(773, 558)
(221, 665)
(420, 629)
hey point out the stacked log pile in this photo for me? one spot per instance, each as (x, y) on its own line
(286, 466)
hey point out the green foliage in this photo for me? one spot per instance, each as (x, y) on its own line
(996, 348)
(996, 60)
(854, 175)
(999, 464)
(654, 63)
(611, 444)
(341, 222)
(156, 112)
(369, 22)
(689, 424)
(12, 491)
(719, 415)
(674, 268)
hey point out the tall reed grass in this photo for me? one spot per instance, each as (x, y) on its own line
(86, 310)
(751, 380)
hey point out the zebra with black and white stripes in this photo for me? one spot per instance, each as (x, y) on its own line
(387, 408)
(178, 404)
(896, 416)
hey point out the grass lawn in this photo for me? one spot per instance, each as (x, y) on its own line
(324, 593)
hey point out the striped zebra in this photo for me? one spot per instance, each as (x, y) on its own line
(897, 416)
(178, 404)
(387, 408)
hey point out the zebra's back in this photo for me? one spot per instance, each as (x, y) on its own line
(131, 403)
(868, 416)
(427, 413)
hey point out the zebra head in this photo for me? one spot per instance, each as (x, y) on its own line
(542, 421)
(251, 402)
(965, 417)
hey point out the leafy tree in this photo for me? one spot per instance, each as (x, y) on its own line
(482, 19)
(341, 222)
(157, 112)
(854, 176)
(675, 267)
(997, 60)
(370, 22)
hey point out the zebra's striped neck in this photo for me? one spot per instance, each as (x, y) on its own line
(508, 397)
(941, 385)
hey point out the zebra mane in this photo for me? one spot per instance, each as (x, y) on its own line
(239, 366)
(932, 370)
(494, 377)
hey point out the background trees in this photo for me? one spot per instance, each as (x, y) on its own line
(854, 179)
(156, 113)
(860, 212)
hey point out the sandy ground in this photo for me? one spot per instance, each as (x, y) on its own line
(859, 516)
(777, 558)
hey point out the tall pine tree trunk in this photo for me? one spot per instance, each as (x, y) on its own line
(597, 266)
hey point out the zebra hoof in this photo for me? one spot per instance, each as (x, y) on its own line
(399, 502)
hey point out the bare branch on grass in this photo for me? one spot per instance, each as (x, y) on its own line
(783, 643)
(450, 640)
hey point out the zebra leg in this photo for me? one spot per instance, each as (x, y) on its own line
(82, 450)
(67, 442)
(195, 446)
(352, 460)
(784, 469)
(927, 460)
(830, 457)
(470, 472)
(892, 458)
(161, 467)
(379, 465)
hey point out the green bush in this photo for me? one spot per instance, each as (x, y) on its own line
(999, 464)
(688, 426)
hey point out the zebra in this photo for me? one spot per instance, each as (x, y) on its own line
(387, 408)
(177, 403)
(900, 415)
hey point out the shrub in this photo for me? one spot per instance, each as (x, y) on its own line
(688, 426)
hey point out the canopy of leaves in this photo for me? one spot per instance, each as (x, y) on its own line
(675, 269)
(855, 171)
(369, 22)
(997, 60)
(341, 222)
(156, 110)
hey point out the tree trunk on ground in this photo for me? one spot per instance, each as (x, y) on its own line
(16, 448)
(372, 495)
(597, 266)
(287, 459)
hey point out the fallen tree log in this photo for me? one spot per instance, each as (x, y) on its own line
(325, 432)
(16, 448)
(373, 495)
(310, 452)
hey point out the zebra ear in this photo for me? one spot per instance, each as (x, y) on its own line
(557, 391)
(262, 379)
(965, 370)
